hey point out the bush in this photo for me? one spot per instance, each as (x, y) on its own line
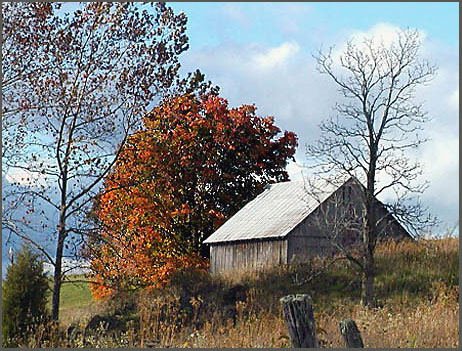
(24, 297)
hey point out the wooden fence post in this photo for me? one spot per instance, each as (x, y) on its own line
(298, 313)
(350, 333)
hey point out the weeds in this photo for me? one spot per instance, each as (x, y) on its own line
(416, 284)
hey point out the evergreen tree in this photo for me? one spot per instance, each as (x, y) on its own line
(24, 296)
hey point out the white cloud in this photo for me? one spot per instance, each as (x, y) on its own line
(276, 56)
(69, 267)
(293, 91)
(381, 33)
(25, 178)
(295, 170)
(440, 160)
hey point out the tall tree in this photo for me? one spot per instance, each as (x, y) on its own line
(105, 63)
(26, 28)
(195, 164)
(376, 126)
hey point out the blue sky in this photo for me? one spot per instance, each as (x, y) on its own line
(261, 53)
(214, 23)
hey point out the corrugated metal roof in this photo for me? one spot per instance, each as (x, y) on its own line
(273, 213)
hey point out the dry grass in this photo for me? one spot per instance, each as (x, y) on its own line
(417, 289)
(423, 314)
(426, 325)
(263, 330)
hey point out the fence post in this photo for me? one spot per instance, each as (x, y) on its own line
(350, 333)
(298, 314)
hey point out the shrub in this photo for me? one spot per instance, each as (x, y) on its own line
(24, 297)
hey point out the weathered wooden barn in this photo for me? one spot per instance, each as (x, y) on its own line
(291, 222)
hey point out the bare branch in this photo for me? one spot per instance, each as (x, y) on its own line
(378, 121)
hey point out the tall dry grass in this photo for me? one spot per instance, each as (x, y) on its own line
(416, 286)
(424, 325)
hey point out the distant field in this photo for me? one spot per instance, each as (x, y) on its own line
(76, 300)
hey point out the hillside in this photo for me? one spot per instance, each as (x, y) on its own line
(417, 305)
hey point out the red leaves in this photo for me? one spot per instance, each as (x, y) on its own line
(193, 166)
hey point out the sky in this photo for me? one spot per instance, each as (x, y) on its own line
(261, 53)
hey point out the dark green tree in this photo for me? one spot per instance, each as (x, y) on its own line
(24, 296)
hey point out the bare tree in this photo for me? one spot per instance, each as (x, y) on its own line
(339, 219)
(376, 125)
(105, 63)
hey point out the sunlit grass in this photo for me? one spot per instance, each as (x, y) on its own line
(75, 300)
(416, 286)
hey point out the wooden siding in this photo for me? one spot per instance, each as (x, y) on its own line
(247, 255)
(310, 237)
(307, 241)
(390, 228)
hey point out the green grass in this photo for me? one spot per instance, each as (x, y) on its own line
(406, 270)
(75, 294)
(76, 302)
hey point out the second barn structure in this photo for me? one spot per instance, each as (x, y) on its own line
(293, 221)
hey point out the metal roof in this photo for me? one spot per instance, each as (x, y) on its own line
(275, 212)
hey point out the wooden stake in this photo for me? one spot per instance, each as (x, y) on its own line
(298, 313)
(350, 333)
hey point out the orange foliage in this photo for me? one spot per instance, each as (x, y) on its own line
(194, 165)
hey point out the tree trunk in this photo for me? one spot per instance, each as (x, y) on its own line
(57, 276)
(298, 313)
(369, 234)
(59, 254)
(61, 232)
(367, 283)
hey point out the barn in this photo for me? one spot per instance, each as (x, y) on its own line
(291, 222)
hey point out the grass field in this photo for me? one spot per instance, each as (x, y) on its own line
(417, 297)
(76, 303)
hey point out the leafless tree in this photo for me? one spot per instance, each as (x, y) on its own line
(376, 125)
(100, 67)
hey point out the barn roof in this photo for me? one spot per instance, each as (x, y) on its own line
(273, 213)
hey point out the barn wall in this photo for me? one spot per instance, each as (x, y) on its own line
(389, 228)
(307, 241)
(247, 255)
(310, 237)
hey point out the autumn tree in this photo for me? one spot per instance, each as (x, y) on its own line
(25, 29)
(100, 67)
(195, 164)
(194, 83)
(376, 126)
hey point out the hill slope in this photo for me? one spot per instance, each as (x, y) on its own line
(417, 299)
